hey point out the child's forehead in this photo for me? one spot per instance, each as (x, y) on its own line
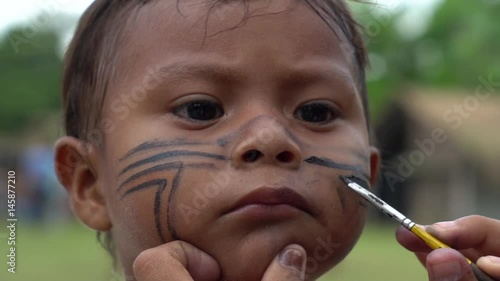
(283, 26)
(270, 48)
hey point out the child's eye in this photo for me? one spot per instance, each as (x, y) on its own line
(316, 112)
(200, 110)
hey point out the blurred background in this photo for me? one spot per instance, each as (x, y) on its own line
(434, 87)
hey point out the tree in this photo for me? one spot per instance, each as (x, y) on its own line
(30, 70)
(460, 44)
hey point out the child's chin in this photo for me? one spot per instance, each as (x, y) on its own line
(248, 259)
(253, 264)
(245, 248)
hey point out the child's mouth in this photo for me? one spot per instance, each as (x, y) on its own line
(268, 203)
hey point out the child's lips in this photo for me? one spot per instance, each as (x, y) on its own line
(269, 202)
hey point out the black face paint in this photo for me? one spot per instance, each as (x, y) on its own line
(162, 183)
(152, 183)
(325, 162)
(359, 181)
(170, 210)
(162, 167)
(149, 145)
(169, 154)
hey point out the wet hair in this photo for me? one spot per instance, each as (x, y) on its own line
(92, 54)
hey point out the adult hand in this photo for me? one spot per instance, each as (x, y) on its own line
(475, 237)
(181, 261)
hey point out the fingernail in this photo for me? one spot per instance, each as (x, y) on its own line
(494, 259)
(445, 224)
(292, 257)
(451, 271)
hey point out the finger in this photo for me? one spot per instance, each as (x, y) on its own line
(410, 241)
(448, 265)
(175, 261)
(490, 265)
(289, 265)
(476, 232)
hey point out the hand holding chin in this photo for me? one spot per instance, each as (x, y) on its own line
(181, 261)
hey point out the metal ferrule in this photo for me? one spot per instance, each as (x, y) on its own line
(407, 223)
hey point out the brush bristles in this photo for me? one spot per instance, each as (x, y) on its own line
(353, 179)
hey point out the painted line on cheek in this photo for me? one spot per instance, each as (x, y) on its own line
(364, 183)
(148, 184)
(170, 209)
(161, 185)
(325, 162)
(148, 145)
(156, 211)
(169, 154)
(162, 167)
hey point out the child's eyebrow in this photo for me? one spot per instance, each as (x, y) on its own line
(313, 71)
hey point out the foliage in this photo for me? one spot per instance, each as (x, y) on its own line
(460, 44)
(29, 74)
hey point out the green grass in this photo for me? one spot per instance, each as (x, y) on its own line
(71, 253)
(378, 257)
(56, 253)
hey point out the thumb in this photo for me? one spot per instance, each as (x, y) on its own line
(289, 265)
(448, 264)
(175, 260)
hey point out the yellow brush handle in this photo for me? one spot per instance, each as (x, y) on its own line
(434, 243)
(430, 240)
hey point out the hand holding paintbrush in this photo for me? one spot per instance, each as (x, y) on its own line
(475, 236)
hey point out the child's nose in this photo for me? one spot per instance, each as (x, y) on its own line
(266, 142)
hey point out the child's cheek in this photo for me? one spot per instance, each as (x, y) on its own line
(135, 219)
(344, 225)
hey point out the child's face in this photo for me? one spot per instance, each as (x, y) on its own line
(267, 106)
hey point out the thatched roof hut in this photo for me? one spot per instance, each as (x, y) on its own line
(441, 154)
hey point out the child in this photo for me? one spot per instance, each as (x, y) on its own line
(207, 137)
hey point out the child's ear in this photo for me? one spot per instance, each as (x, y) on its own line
(76, 168)
(374, 164)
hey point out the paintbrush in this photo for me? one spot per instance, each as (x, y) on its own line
(355, 184)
